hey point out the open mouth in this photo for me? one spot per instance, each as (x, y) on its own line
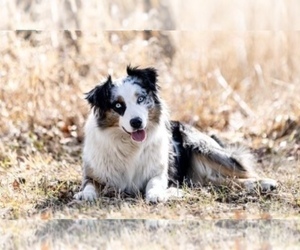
(138, 135)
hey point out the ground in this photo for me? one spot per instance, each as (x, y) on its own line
(241, 85)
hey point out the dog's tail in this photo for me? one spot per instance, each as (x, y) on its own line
(212, 159)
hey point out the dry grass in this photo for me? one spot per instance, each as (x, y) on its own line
(235, 76)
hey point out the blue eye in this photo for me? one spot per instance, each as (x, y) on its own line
(141, 99)
(118, 105)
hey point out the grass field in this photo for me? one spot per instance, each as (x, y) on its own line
(235, 73)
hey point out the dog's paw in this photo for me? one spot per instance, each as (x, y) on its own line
(264, 185)
(267, 185)
(88, 194)
(155, 195)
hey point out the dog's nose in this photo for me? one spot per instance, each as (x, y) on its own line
(136, 122)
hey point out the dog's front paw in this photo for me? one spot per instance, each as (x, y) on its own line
(155, 195)
(88, 194)
(267, 184)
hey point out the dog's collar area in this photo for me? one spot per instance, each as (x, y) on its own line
(139, 135)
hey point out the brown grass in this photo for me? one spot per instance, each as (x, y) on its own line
(229, 74)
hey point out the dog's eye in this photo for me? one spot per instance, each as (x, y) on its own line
(140, 99)
(118, 105)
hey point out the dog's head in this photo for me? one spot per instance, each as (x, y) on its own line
(130, 103)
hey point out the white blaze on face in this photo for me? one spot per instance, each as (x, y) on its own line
(130, 93)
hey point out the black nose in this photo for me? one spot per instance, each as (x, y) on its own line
(136, 122)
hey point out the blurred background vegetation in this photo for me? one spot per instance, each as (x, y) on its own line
(229, 65)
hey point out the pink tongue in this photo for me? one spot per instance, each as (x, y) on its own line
(139, 135)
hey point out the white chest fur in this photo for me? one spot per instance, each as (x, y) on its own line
(119, 162)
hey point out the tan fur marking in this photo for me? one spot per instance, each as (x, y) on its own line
(120, 99)
(154, 114)
(226, 172)
(110, 119)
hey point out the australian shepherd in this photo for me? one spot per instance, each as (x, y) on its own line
(132, 146)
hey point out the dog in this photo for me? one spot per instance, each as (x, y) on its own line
(132, 146)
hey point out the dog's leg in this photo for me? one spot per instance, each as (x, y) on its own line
(88, 190)
(207, 170)
(156, 189)
(88, 193)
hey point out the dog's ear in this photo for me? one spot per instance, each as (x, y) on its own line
(148, 76)
(100, 95)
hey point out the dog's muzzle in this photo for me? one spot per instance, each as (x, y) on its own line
(139, 134)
